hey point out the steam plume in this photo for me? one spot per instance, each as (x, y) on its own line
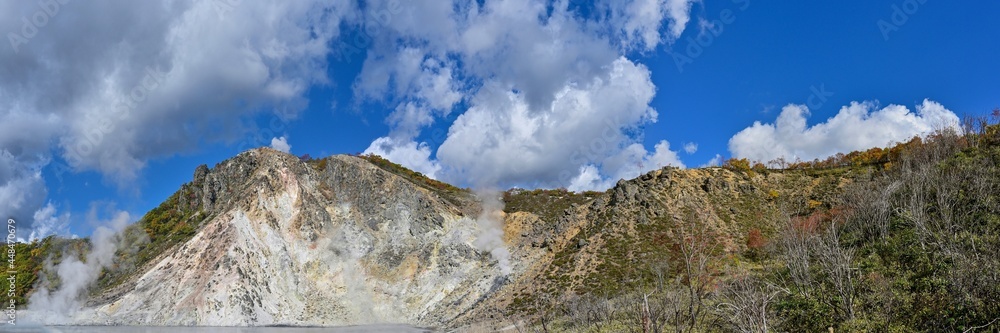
(490, 229)
(58, 306)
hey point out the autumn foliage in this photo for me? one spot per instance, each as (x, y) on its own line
(755, 239)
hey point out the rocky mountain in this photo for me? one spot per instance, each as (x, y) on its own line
(283, 241)
(343, 241)
(266, 238)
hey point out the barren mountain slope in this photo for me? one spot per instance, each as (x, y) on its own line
(286, 242)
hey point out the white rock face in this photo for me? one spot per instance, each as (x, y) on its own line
(285, 243)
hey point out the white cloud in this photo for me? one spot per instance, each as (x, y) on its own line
(280, 144)
(714, 162)
(22, 189)
(857, 126)
(690, 147)
(631, 162)
(410, 154)
(108, 85)
(46, 221)
(679, 12)
(589, 178)
(118, 83)
(641, 21)
(662, 156)
(547, 90)
(634, 161)
(423, 84)
(519, 43)
(501, 140)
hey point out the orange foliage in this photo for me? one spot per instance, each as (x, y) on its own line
(872, 157)
(811, 223)
(740, 165)
(755, 239)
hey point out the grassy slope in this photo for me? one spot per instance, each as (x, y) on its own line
(452, 194)
(632, 254)
(549, 205)
(932, 269)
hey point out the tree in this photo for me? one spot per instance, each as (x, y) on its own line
(836, 264)
(747, 303)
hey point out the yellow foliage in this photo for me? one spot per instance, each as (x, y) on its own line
(813, 204)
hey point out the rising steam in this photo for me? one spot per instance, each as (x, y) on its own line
(58, 306)
(490, 229)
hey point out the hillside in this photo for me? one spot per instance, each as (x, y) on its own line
(631, 237)
(904, 239)
(266, 239)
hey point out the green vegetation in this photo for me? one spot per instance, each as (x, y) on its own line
(905, 239)
(169, 224)
(743, 165)
(318, 163)
(448, 192)
(549, 205)
(30, 260)
(165, 226)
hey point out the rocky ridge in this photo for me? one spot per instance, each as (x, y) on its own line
(342, 241)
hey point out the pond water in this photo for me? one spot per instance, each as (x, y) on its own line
(188, 329)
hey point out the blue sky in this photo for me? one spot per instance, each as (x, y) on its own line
(506, 93)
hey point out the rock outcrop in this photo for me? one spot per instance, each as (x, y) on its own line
(284, 242)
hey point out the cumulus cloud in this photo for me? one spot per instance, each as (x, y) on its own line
(415, 156)
(588, 178)
(280, 144)
(22, 190)
(548, 97)
(423, 86)
(22, 198)
(519, 43)
(629, 163)
(714, 162)
(690, 147)
(641, 21)
(47, 221)
(857, 126)
(107, 85)
(502, 140)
